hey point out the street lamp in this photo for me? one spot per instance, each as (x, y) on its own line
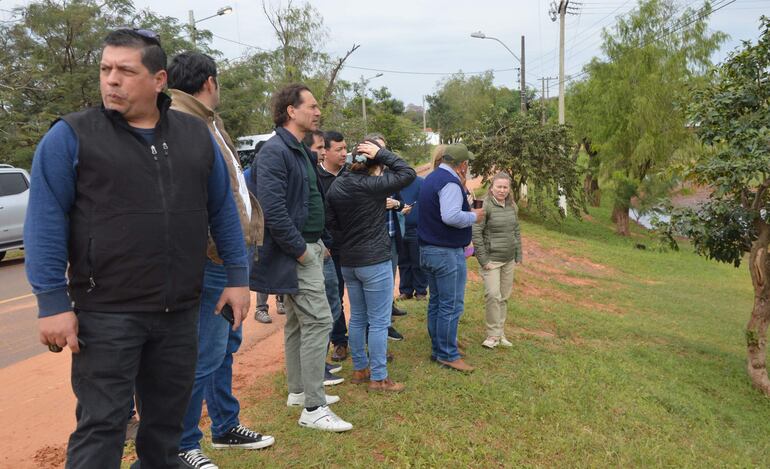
(522, 86)
(364, 83)
(192, 21)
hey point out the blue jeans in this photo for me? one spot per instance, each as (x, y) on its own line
(370, 290)
(446, 272)
(332, 289)
(217, 343)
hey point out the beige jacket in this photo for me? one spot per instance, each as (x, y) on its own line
(253, 230)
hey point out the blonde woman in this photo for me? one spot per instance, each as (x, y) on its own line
(497, 240)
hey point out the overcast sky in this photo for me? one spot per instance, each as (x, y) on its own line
(432, 37)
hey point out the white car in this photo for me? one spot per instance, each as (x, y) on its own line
(14, 194)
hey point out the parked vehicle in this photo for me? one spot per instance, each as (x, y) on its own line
(14, 194)
(247, 147)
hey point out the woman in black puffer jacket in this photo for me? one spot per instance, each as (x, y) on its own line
(355, 211)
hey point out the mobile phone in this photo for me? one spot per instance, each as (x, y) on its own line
(227, 313)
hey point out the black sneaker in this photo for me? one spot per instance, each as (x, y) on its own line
(394, 311)
(333, 368)
(241, 437)
(195, 459)
(393, 334)
(330, 379)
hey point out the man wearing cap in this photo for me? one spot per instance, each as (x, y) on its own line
(444, 229)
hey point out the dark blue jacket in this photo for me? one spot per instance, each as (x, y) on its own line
(279, 178)
(410, 194)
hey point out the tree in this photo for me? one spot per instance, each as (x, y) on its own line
(461, 101)
(245, 94)
(535, 154)
(731, 117)
(48, 64)
(300, 57)
(631, 106)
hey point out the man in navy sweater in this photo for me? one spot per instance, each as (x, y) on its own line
(126, 194)
(444, 229)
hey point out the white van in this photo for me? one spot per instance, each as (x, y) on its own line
(14, 194)
(247, 147)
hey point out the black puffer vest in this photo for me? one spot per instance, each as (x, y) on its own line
(139, 225)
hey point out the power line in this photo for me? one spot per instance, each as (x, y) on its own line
(240, 43)
(405, 72)
(697, 17)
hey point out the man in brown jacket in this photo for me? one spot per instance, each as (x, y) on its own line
(194, 90)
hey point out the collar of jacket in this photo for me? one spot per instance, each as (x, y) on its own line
(163, 102)
(290, 140)
(190, 104)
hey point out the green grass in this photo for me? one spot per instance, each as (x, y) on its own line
(644, 367)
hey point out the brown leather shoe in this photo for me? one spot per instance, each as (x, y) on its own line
(340, 353)
(360, 376)
(458, 365)
(386, 385)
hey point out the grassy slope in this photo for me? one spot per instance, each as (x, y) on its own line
(642, 367)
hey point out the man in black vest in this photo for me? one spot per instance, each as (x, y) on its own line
(126, 194)
(443, 230)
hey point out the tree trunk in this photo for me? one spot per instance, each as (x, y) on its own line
(756, 329)
(620, 217)
(591, 190)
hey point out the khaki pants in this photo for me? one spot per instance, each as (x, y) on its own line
(498, 284)
(308, 323)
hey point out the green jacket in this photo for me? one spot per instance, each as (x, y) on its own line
(498, 237)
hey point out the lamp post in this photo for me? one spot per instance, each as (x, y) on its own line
(192, 21)
(364, 83)
(522, 85)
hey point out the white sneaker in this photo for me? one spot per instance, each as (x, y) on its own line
(323, 419)
(491, 342)
(297, 399)
(505, 342)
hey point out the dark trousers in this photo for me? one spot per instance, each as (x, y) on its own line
(412, 279)
(339, 335)
(152, 352)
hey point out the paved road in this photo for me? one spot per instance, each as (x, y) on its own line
(18, 326)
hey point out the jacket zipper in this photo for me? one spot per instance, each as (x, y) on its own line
(90, 257)
(162, 190)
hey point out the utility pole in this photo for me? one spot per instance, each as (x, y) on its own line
(191, 21)
(545, 82)
(363, 103)
(191, 25)
(542, 101)
(561, 10)
(562, 13)
(548, 86)
(424, 115)
(523, 80)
